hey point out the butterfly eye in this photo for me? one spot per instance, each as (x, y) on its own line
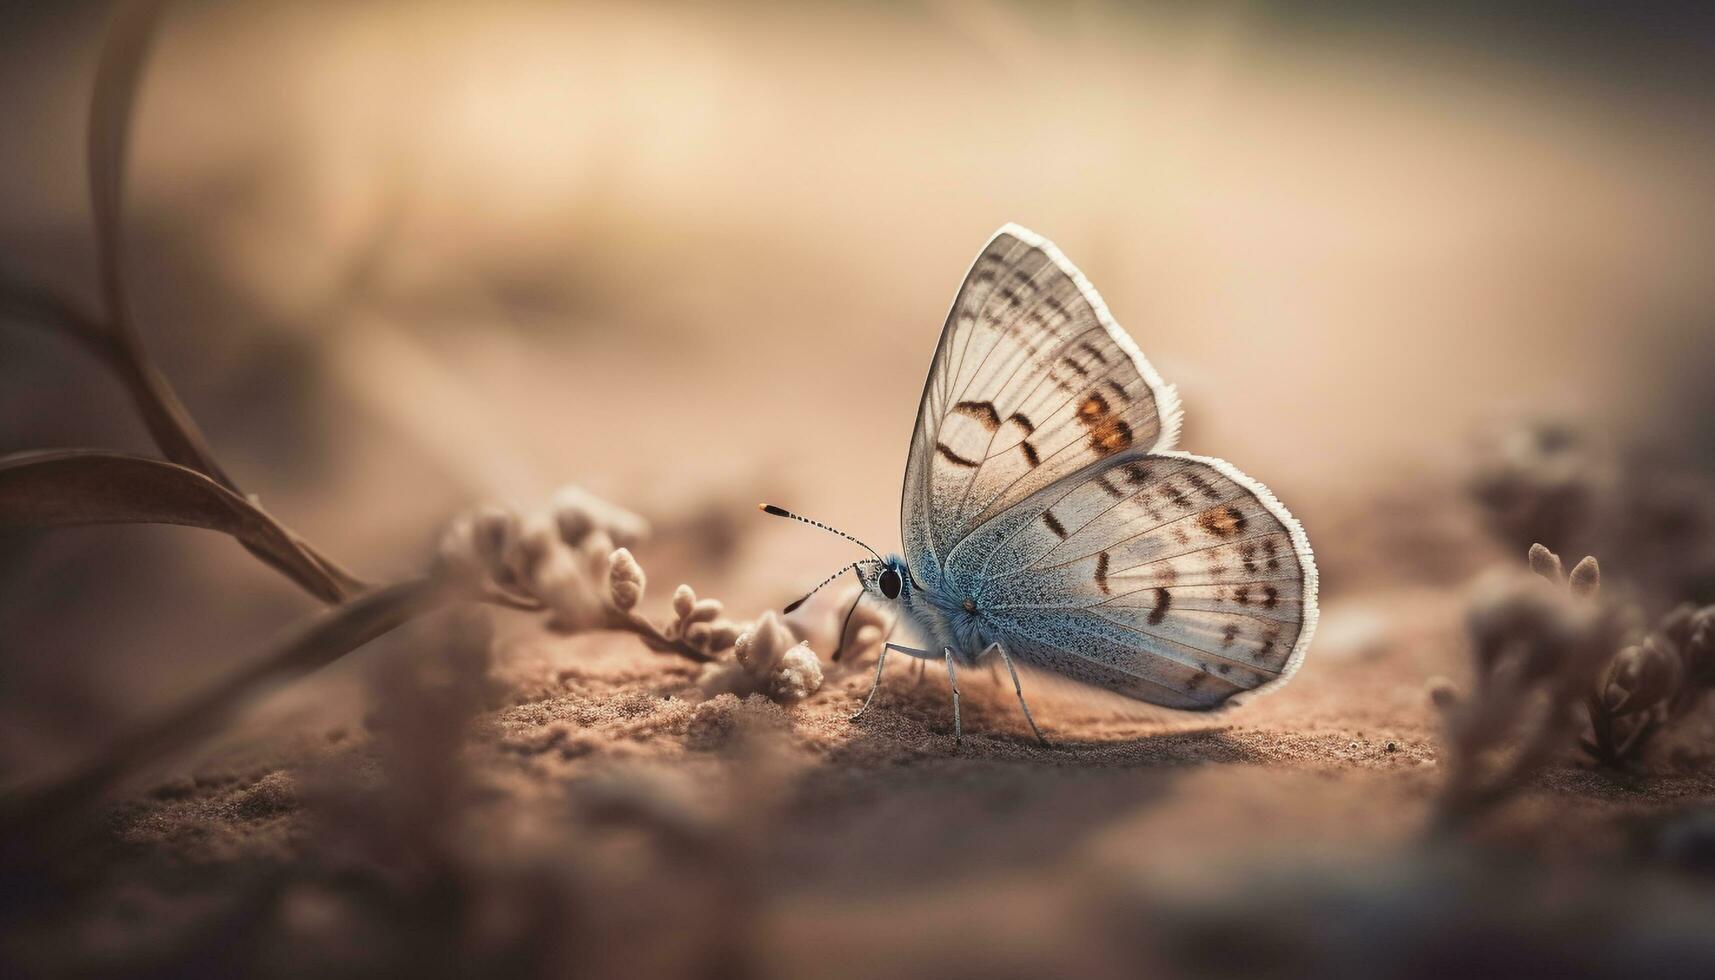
(890, 584)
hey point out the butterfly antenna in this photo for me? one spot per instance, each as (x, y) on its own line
(783, 512)
(846, 624)
(818, 588)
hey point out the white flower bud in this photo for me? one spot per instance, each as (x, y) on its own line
(704, 611)
(625, 579)
(683, 600)
(761, 647)
(798, 675)
(1586, 577)
(1546, 564)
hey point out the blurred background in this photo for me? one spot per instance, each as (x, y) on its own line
(1438, 273)
(399, 257)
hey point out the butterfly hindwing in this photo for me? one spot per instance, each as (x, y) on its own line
(1170, 578)
(1032, 382)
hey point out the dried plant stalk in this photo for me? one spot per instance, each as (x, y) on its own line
(118, 77)
(64, 488)
(115, 339)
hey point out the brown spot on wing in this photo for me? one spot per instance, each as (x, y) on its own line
(1024, 422)
(1228, 634)
(1136, 474)
(1202, 486)
(1269, 640)
(1111, 436)
(1091, 350)
(1163, 599)
(1102, 572)
(1054, 524)
(1083, 372)
(1222, 521)
(1030, 454)
(953, 457)
(1092, 409)
(983, 412)
(1113, 491)
(1270, 596)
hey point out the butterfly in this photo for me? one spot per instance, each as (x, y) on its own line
(1048, 521)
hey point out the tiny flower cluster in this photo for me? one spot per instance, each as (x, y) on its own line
(785, 668)
(1545, 644)
(698, 622)
(563, 559)
(1651, 684)
(575, 562)
(1538, 642)
(770, 659)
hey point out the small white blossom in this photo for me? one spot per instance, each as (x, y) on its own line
(798, 675)
(625, 579)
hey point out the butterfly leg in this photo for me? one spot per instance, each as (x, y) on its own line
(1007, 659)
(953, 679)
(881, 662)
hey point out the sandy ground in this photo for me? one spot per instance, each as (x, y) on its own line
(601, 812)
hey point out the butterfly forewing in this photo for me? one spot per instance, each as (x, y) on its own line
(1031, 383)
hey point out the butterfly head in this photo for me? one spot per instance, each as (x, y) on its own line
(888, 578)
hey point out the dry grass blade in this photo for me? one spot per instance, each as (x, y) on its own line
(66, 488)
(26, 816)
(124, 55)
